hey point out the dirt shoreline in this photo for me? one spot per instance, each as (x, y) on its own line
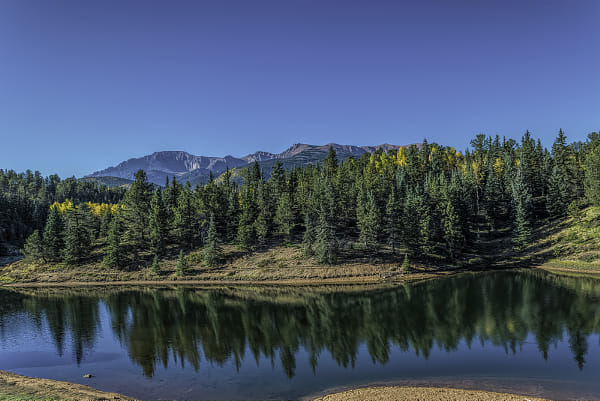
(17, 387)
(408, 393)
(313, 281)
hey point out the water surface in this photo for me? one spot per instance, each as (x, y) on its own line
(521, 331)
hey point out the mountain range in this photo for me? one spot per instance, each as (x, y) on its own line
(196, 169)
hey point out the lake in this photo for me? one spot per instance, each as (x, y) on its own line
(520, 331)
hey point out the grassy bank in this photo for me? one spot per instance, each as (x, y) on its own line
(279, 264)
(568, 245)
(16, 387)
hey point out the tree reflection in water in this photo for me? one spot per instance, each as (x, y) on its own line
(188, 325)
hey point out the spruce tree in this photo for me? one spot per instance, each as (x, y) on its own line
(393, 211)
(181, 265)
(34, 247)
(186, 219)
(212, 251)
(155, 265)
(53, 236)
(264, 220)
(492, 196)
(246, 233)
(158, 223)
(136, 204)
(592, 173)
(326, 243)
(368, 220)
(411, 234)
(284, 216)
(453, 236)
(557, 198)
(105, 224)
(115, 251)
(522, 209)
(77, 236)
(405, 264)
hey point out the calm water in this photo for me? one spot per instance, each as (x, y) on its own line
(523, 331)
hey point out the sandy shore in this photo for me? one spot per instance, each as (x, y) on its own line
(422, 394)
(17, 387)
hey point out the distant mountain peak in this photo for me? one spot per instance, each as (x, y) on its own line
(196, 169)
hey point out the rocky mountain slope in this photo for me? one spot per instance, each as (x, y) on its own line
(196, 169)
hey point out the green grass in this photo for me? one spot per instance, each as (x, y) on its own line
(23, 396)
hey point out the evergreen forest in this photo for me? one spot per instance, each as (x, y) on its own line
(417, 202)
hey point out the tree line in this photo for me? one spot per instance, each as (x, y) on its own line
(25, 201)
(422, 201)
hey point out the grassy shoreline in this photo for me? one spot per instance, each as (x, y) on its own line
(559, 246)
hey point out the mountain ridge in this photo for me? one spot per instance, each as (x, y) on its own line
(188, 167)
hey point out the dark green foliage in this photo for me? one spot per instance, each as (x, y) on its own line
(181, 265)
(246, 232)
(557, 198)
(77, 235)
(367, 219)
(592, 173)
(326, 246)
(159, 225)
(105, 224)
(522, 209)
(136, 205)
(155, 265)
(426, 201)
(393, 225)
(212, 251)
(186, 218)
(34, 247)
(452, 229)
(284, 215)
(115, 251)
(405, 264)
(54, 236)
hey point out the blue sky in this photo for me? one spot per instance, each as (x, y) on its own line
(87, 84)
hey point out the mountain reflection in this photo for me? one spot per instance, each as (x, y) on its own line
(216, 325)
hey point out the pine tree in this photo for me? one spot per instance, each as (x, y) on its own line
(135, 211)
(264, 220)
(155, 266)
(53, 236)
(284, 216)
(158, 223)
(393, 211)
(310, 233)
(492, 196)
(557, 199)
(326, 242)
(114, 252)
(452, 230)
(105, 224)
(212, 250)
(368, 220)
(34, 247)
(186, 219)
(246, 234)
(181, 265)
(522, 208)
(592, 174)
(411, 234)
(77, 236)
(405, 264)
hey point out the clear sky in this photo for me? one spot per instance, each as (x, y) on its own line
(87, 84)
